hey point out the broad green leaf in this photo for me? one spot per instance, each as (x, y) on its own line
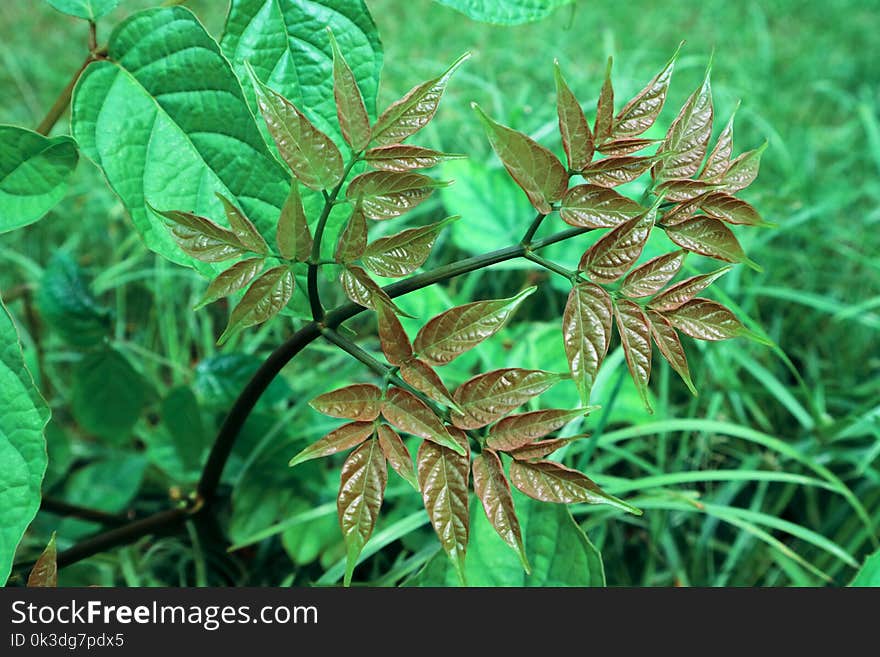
(414, 111)
(613, 255)
(614, 171)
(518, 430)
(706, 320)
(620, 147)
(423, 378)
(311, 155)
(353, 238)
(667, 341)
(244, 230)
(389, 194)
(265, 298)
(23, 417)
(286, 43)
(640, 113)
(393, 339)
(743, 170)
(506, 12)
(455, 331)
(411, 415)
(183, 419)
(490, 396)
(586, 334)
(680, 293)
(361, 401)
(403, 157)
(68, 306)
(33, 174)
(292, 235)
(869, 573)
(397, 454)
(730, 209)
(232, 280)
(201, 238)
(577, 138)
(709, 237)
(535, 168)
(635, 336)
(89, 10)
(685, 190)
(548, 481)
(363, 290)
(718, 159)
(165, 135)
(404, 252)
(538, 449)
(345, 437)
(605, 108)
(443, 479)
(108, 395)
(219, 379)
(649, 278)
(45, 570)
(350, 109)
(688, 136)
(361, 491)
(592, 206)
(494, 494)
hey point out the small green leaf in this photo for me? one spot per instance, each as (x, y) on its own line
(680, 293)
(410, 414)
(394, 341)
(667, 341)
(293, 237)
(605, 108)
(45, 570)
(516, 431)
(265, 298)
(586, 334)
(635, 336)
(389, 194)
(423, 378)
(244, 230)
(614, 171)
(688, 136)
(201, 238)
(108, 395)
(231, 280)
(350, 108)
(361, 491)
(183, 419)
(592, 206)
(404, 252)
(577, 138)
(89, 10)
(490, 396)
(403, 157)
(353, 239)
(68, 306)
(492, 489)
(640, 113)
(361, 401)
(647, 279)
(709, 237)
(613, 255)
(345, 437)
(397, 454)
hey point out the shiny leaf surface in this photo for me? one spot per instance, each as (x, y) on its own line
(232, 280)
(518, 430)
(389, 194)
(350, 109)
(244, 230)
(345, 437)
(709, 237)
(361, 491)
(490, 396)
(538, 449)
(668, 343)
(682, 292)
(685, 190)
(635, 336)
(577, 138)
(493, 491)
(614, 171)
(397, 454)
(201, 238)
(393, 339)
(361, 401)
(730, 209)
(718, 159)
(613, 255)
(706, 320)
(743, 170)
(592, 206)
(265, 298)
(548, 481)
(620, 147)
(403, 157)
(404, 252)
(649, 278)
(640, 113)
(292, 235)
(363, 290)
(688, 137)
(423, 378)
(353, 239)
(586, 334)
(605, 108)
(411, 415)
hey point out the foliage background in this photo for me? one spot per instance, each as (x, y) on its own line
(809, 82)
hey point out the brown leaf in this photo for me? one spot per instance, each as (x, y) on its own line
(586, 334)
(635, 336)
(353, 238)
(680, 212)
(719, 157)
(492, 489)
(404, 252)
(647, 279)
(682, 292)
(361, 491)
(487, 397)
(231, 280)
(613, 255)
(706, 320)
(201, 238)
(423, 378)
(394, 340)
(688, 137)
(350, 109)
(592, 206)
(577, 138)
(667, 341)
(244, 230)
(363, 290)
(620, 147)
(361, 401)
(397, 454)
(518, 430)
(640, 113)
(743, 170)
(547, 481)
(539, 449)
(293, 236)
(709, 237)
(45, 570)
(684, 190)
(389, 194)
(345, 437)
(403, 157)
(730, 209)
(410, 414)
(614, 171)
(605, 108)
(266, 297)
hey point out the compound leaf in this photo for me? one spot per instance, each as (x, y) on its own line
(350, 109)
(231, 280)
(244, 230)
(492, 489)
(635, 336)
(516, 431)
(743, 170)
(266, 297)
(360, 401)
(361, 491)
(403, 157)
(593, 206)
(577, 138)
(404, 252)
(410, 414)
(345, 437)
(490, 396)
(688, 136)
(613, 255)
(292, 236)
(614, 171)
(649, 278)
(548, 481)
(423, 378)
(392, 337)
(389, 194)
(709, 237)
(685, 190)
(680, 293)
(640, 113)
(201, 238)
(397, 454)
(605, 108)
(667, 341)
(706, 320)
(353, 239)
(363, 290)
(538, 449)
(586, 333)
(718, 159)
(730, 209)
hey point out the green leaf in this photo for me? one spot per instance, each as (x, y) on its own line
(392, 337)
(265, 298)
(423, 378)
(220, 379)
(353, 238)
(403, 157)
(204, 136)
(414, 111)
(183, 419)
(577, 138)
(411, 415)
(635, 336)
(244, 230)
(592, 206)
(586, 334)
(404, 252)
(108, 395)
(286, 43)
(361, 491)
(613, 255)
(647, 279)
(548, 481)
(89, 10)
(311, 154)
(506, 12)
(23, 417)
(350, 109)
(490, 396)
(605, 108)
(231, 280)
(455, 331)
(33, 174)
(709, 237)
(68, 306)
(493, 491)
(518, 430)
(869, 573)
(680, 293)
(668, 343)
(397, 454)
(614, 171)
(730, 209)
(718, 160)
(361, 401)
(688, 136)
(535, 168)
(640, 113)
(389, 194)
(292, 235)
(443, 479)
(743, 170)
(45, 570)
(704, 319)
(345, 437)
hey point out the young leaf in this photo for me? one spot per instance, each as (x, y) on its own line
(443, 479)
(265, 298)
(293, 236)
(423, 378)
(410, 414)
(684, 190)
(586, 334)
(487, 397)
(719, 157)
(516, 431)
(743, 170)
(647, 279)
(614, 171)
(45, 570)
(605, 108)
(682, 292)
(592, 206)
(539, 449)
(353, 239)
(548, 481)
(350, 109)
(403, 157)
(704, 319)
(345, 437)
(492, 488)
(613, 255)
(709, 237)
(403, 253)
(455, 331)
(202, 238)
(730, 209)
(635, 336)
(394, 340)
(533, 167)
(244, 230)
(688, 137)
(577, 138)
(389, 194)
(667, 341)
(397, 454)
(311, 155)
(361, 491)
(231, 280)
(620, 147)
(363, 290)
(361, 401)
(413, 112)
(640, 113)
(680, 212)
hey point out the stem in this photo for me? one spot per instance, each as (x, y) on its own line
(552, 266)
(530, 233)
(61, 508)
(60, 105)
